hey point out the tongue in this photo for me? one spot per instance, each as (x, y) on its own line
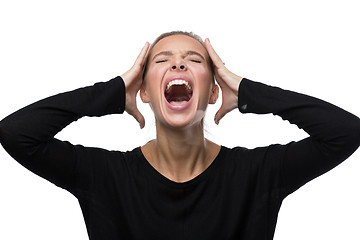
(178, 94)
(178, 99)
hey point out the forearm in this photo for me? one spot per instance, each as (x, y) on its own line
(334, 132)
(321, 120)
(22, 132)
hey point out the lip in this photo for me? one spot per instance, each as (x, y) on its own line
(184, 105)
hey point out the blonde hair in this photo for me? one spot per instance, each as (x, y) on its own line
(172, 33)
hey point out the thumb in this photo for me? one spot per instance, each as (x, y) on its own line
(220, 114)
(139, 117)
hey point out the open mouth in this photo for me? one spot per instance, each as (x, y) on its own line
(178, 91)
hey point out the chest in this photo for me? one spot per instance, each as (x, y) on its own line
(143, 208)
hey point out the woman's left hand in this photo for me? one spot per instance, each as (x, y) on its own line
(228, 82)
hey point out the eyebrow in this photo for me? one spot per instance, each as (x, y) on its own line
(169, 53)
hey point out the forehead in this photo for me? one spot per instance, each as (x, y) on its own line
(178, 43)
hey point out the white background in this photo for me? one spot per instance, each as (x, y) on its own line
(309, 46)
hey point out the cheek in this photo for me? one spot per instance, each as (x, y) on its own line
(206, 82)
(154, 73)
(203, 70)
(205, 77)
(153, 82)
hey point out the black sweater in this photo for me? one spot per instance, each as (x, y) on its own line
(237, 197)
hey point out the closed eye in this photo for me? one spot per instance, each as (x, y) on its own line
(160, 61)
(196, 61)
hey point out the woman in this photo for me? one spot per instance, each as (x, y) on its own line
(180, 185)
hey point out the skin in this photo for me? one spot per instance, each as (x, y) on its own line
(171, 57)
(180, 151)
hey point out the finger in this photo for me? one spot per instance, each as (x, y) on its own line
(213, 55)
(219, 114)
(218, 79)
(142, 55)
(139, 117)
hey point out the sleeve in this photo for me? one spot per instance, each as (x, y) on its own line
(334, 132)
(28, 134)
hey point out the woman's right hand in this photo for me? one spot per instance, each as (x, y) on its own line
(133, 80)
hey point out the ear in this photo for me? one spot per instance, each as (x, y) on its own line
(214, 94)
(143, 94)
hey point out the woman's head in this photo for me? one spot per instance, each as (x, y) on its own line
(178, 79)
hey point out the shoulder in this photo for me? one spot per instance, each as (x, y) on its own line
(242, 156)
(99, 158)
(261, 166)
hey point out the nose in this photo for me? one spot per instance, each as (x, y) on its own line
(178, 67)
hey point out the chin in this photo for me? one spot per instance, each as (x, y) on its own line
(181, 119)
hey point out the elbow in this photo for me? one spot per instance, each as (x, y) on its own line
(2, 132)
(14, 142)
(7, 130)
(7, 137)
(355, 136)
(351, 141)
(344, 142)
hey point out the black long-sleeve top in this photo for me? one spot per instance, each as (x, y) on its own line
(123, 197)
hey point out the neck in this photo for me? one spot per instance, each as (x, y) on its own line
(181, 154)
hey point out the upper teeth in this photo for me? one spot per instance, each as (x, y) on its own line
(178, 82)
